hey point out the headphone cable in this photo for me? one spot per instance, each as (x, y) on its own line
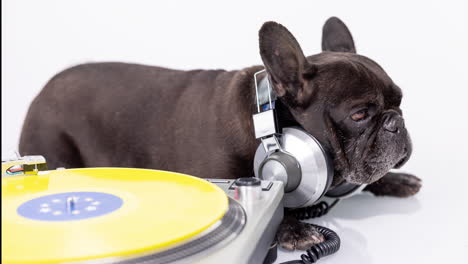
(313, 211)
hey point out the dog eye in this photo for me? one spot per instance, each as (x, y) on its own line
(360, 115)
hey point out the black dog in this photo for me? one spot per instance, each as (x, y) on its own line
(199, 122)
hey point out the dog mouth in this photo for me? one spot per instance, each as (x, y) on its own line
(402, 161)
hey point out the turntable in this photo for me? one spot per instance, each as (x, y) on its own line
(121, 215)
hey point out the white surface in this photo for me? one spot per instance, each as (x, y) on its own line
(423, 46)
(428, 228)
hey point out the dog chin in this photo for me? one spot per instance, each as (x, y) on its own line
(363, 179)
(369, 172)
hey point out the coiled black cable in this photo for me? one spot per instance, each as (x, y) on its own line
(332, 241)
(313, 211)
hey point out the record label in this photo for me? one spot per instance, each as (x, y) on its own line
(70, 206)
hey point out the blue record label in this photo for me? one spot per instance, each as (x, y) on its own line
(70, 206)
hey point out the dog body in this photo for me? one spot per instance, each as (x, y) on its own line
(127, 115)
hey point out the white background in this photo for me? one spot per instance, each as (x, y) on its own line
(423, 46)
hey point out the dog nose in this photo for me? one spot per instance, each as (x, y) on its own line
(393, 122)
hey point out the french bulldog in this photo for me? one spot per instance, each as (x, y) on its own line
(199, 122)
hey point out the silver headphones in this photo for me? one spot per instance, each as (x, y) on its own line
(293, 156)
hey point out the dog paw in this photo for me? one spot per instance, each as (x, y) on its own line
(293, 234)
(396, 184)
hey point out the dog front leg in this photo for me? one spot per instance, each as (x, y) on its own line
(395, 184)
(293, 234)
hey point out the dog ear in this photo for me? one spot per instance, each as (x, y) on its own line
(336, 36)
(285, 63)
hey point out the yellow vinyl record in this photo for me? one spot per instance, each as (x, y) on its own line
(86, 214)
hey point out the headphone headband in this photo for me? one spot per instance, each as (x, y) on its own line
(265, 121)
(269, 91)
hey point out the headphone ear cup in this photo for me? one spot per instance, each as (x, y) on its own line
(313, 162)
(281, 166)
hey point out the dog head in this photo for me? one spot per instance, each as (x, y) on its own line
(345, 100)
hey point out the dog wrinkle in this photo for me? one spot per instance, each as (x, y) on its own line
(338, 150)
